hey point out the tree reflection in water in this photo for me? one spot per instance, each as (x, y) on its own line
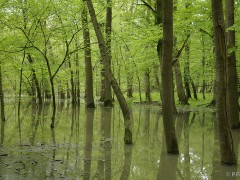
(87, 144)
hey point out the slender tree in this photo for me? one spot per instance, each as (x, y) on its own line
(88, 60)
(225, 135)
(108, 30)
(35, 80)
(232, 94)
(2, 95)
(147, 86)
(110, 77)
(167, 78)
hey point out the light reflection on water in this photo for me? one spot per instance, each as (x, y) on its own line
(88, 144)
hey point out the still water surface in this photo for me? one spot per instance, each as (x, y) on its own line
(88, 144)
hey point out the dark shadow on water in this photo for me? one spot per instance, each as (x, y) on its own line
(127, 162)
(104, 163)
(88, 144)
(221, 171)
(168, 164)
(100, 163)
(36, 119)
(186, 166)
(156, 133)
(52, 175)
(2, 132)
(107, 116)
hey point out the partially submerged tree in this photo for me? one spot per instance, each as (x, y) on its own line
(88, 60)
(225, 135)
(110, 77)
(167, 78)
(232, 94)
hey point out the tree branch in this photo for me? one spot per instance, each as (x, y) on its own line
(148, 6)
(205, 32)
(180, 51)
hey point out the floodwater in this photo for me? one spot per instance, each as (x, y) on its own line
(88, 144)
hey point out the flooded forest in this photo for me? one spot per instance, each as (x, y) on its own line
(138, 90)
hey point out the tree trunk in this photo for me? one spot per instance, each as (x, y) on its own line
(147, 86)
(158, 21)
(20, 85)
(71, 81)
(225, 135)
(187, 73)
(52, 91)
(194, 89)
(232, 94)
(129, 85)
(2, 96)
(108, 90)
(77, 75)
(88, 61)
(178, 78)
(203, 68)
(68, 90)
(157, 79)
(35, 80)
(33, 90)
(105, 57)
(167, 78)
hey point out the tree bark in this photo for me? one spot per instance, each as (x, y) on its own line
(187, 73)
(35, 80)
(105, 56)
(225, 135)
(147, 86)
(77, 75)
(129, 85)
(232, 94)
(2, 96)
(194, 89)
(167, 78)
(158, 21)
(108, 90)
(88, 61)
(71, 81)
(203, 67)
(178, 77)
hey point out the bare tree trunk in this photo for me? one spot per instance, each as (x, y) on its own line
(157, 79)
(20, 85)
(158, 21)
(88, 61)
(178, 77)
(147, 86)
(194, 89)
(108, 90)
(232, 94)
(53, 92)
(77, 75)
(225, 135)
(35, 80)
(2, 96)
(187, 73)
(129, 85)
(167, 78)
(33, 90)
(105, 57)
(203, 67)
